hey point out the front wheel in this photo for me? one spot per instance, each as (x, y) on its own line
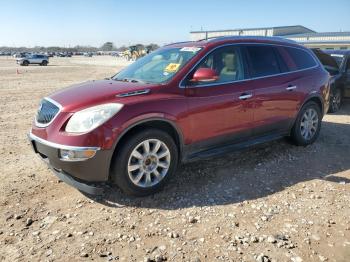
(307, 126)
(335, 101)
(144, 162)
(44, 63)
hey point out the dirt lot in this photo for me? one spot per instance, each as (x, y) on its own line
(275, 202)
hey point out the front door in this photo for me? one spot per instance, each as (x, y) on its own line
(220, 112)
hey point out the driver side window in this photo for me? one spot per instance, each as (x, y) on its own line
(226, 62)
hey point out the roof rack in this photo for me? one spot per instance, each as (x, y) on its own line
(274, 38)
(179, 43)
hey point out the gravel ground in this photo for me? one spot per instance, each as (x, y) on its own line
(275, 202)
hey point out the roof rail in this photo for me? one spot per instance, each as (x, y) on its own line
(221, 38)
(178, 43)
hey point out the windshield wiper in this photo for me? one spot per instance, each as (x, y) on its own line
(131, 80)
(118, 79)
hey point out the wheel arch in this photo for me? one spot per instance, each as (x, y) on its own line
(313, 97)
(155, 122)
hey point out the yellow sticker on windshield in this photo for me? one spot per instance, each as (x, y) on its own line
(172, 67)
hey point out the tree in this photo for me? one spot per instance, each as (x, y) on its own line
(152, 47)
(108, 46)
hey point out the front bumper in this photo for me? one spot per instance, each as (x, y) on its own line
(82, 175)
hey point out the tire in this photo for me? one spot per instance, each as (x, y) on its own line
(335, 101)
(130, 173)
(25, 63)
(44, 63)
(306, 123)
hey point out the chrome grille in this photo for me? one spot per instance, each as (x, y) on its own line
(47, 111)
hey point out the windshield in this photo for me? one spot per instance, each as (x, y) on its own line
(159, 66)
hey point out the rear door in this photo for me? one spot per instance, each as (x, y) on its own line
(277, 92)
(35, 59)
(220, 111)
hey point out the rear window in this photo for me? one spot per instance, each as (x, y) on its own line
(301, 59)
(263, 61)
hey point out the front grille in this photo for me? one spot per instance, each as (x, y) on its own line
(46, 113)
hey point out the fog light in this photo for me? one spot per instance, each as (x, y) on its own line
(75, 155)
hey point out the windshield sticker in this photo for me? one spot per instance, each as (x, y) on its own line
(172, 67)
(190, 49)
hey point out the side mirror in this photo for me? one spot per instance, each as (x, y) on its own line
(205, 75)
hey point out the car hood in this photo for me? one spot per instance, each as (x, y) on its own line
(94, 92)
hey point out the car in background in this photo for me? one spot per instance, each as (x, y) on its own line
(21, 55)
(5, 53)
(49, 54)
(182, 102)
(337, 63)
(42, 60)
(88, 54)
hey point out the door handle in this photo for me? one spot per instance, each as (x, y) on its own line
(245, 96)
(291, 88)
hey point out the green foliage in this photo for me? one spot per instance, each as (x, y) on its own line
(108, 46)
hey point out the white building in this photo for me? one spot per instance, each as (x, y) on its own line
(298, 33)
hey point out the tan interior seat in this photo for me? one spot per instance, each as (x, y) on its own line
(228, 72)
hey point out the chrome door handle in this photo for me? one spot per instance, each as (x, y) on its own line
(290, 88)
(245, 96)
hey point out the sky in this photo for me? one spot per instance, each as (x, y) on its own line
(92, 22)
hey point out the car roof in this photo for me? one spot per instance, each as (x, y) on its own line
(235, 39)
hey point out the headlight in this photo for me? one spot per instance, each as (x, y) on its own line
(92, 117)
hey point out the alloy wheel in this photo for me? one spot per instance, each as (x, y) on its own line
(149, 163)
(336, 101)
(309, 124)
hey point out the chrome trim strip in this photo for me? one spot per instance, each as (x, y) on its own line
(59, 146)
(134, 93)
(244, 97)
(181, 85)
(290, 88)
(59, 111)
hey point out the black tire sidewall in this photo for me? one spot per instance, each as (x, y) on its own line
(25, 63)
(119, 173)
(296, 134)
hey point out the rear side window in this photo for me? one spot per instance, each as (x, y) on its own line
(301, 58)
(263, 61)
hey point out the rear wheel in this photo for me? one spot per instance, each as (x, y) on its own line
(335, 101)
(145, 162)
(307, 126)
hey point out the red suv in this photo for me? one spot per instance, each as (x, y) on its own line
(182, 102)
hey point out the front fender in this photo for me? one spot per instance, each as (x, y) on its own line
(142, 119)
